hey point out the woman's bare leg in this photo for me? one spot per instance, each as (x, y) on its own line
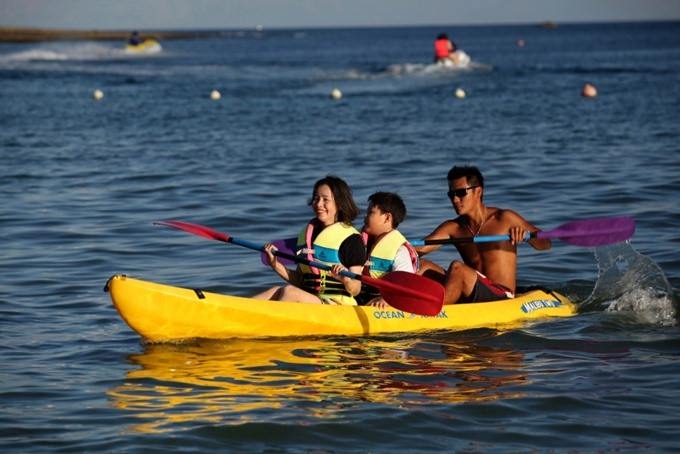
(287, 293)
(268, 294)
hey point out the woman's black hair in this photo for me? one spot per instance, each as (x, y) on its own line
(347, 209)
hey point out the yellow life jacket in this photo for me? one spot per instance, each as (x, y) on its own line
(381, 260)
(325, 249)
(381, 257)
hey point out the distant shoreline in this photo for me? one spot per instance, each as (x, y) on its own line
(33, 35)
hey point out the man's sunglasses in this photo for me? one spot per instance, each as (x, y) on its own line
(460, 193)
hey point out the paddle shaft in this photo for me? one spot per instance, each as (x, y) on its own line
(295, 258)
(587, 232)
(374, 282)
(474, 239)
(405, 291)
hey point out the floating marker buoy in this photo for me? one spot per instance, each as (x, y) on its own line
(215, 95)
(97, 94)
(460, 93)
(521, 43)
(588, 91)
(336, 94)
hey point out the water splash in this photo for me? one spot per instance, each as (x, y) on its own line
(631, 282)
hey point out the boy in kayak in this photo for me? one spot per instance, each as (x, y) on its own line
(329, 238)
(388, 248)
(488, 270)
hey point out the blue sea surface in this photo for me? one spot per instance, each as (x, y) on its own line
(82, 181)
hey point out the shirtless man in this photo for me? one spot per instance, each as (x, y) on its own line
(488, 270)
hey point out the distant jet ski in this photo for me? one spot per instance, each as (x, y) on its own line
(145, 46)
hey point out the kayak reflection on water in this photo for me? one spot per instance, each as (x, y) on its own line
(307, 379)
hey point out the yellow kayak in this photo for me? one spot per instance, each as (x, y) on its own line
(161, 313)
(148, 46)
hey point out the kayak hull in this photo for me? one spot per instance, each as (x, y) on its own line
(163, 313)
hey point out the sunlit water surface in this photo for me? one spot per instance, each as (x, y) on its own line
(82, 181)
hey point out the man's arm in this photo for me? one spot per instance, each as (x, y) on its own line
(445, 230)
(518, 228)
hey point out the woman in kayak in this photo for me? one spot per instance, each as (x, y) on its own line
(329, 238)
(388, 249)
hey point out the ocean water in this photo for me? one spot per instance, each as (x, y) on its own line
(82, 181)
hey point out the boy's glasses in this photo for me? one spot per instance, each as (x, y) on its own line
(460, 193)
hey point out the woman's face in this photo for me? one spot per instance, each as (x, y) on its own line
(324, 205)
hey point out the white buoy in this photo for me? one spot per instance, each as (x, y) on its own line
(460, 93)
(215, 95)
(336, 94)
(521, 43)
(588, 91)
(97, 94)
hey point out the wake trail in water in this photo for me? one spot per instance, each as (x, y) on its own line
(63, 52)
(393, 78)
(415, 70)
(631, 282)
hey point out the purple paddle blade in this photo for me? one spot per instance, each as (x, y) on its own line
(593, 232)
(287, 246)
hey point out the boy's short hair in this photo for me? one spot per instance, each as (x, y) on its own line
(389, 202)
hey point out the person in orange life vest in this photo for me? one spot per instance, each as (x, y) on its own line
(388, 249)
(488, 270)
(329, 238)
(444, 48)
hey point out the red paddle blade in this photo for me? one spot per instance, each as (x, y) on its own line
(409, 292)
(594, 232)
(196, 229)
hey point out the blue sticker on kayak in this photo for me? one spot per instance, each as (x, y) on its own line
(539, 304)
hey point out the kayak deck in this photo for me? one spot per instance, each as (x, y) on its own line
(161, 313)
